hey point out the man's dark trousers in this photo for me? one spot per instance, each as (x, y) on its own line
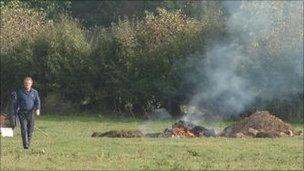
(26, 119)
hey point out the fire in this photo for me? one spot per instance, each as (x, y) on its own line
(186, 129)
(181, 131)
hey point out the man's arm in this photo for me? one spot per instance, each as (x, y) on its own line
(37, 103)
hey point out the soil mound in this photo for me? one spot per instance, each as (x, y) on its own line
(119, 134)
(261, 124)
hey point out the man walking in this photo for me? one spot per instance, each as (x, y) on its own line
(28, 103)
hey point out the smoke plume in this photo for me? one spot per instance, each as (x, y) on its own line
(263, 57)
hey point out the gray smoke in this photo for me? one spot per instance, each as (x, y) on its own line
(263, 58)
(157, 115)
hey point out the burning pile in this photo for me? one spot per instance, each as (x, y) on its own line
(186, 129)
(260, 124)
(179, 129)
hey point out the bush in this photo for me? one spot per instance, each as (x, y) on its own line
(163, 57)
(135, 57)
(55, 55)
(60, 55)
(19, 26)
(18, 23)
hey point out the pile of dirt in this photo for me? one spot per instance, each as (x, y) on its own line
(260, 124)
(119, 134)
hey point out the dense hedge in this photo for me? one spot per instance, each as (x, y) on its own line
(134, 58)
(162, 57)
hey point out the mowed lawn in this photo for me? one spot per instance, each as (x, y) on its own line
(68, 145)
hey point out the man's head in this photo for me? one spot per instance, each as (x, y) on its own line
(27, 83)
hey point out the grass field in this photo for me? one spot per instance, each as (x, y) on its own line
(69, 146)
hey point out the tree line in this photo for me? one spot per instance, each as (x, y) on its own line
(125, 56)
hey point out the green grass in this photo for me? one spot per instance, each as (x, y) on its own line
(69, 146)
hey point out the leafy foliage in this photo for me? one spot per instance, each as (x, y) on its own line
(139, 56)
(129, 56)
(18, 23)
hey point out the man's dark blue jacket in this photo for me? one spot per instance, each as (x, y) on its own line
(28, 101)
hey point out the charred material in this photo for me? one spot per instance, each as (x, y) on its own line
(178, 129)
(119, 134)
(187, 129)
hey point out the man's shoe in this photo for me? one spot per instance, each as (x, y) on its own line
(26, 148)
